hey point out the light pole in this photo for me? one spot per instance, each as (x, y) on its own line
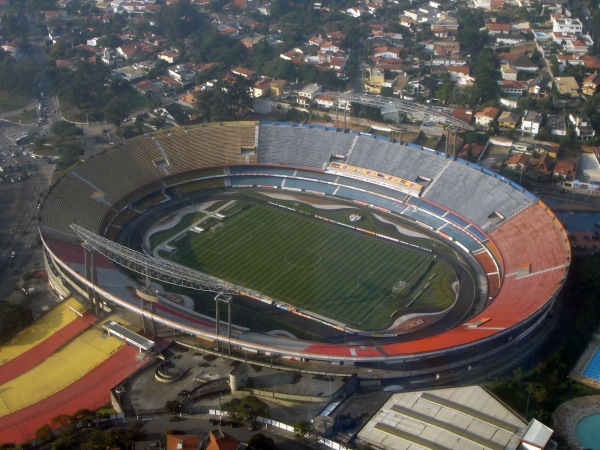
(275, 384)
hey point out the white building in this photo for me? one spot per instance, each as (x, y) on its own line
(562, 24)
(532, 123)
(308, 94)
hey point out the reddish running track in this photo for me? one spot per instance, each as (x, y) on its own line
(36, 355)
(89, 392)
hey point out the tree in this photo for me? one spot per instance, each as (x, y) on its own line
(116, 111)
(44, 433)
(302, 428)
(247, 408)
(261, 442)
(13, 318)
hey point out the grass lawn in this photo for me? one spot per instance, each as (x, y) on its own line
(9, 101)
(27, 116)
(341, 274)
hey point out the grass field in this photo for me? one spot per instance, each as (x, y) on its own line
(337, 273)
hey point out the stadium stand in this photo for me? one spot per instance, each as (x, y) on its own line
(524, 239)
(424, 217)
(254, 180)
(462, 237)
(256, 169)
(536, 249)
(199, 185)
(401, 160)
(486, 194)
(313, 145)
(210, 145)
(73, 201)
(292, 183)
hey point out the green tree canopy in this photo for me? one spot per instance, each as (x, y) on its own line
(247, 408)
(13, 318)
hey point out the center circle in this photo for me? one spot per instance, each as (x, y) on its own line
(302, 257)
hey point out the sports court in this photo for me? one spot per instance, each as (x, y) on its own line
(58, 371)
(309, 264)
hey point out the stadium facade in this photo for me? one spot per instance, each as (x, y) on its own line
(521, 250)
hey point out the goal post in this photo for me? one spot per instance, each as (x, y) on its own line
(399, 287)
(216, 227)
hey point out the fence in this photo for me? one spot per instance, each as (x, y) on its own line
(284, 426)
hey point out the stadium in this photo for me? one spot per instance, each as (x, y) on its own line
(508, 251)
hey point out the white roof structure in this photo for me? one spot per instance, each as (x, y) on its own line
(461, 418)
(536, 436)
(588, 168)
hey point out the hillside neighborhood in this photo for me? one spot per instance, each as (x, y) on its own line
(523, 73)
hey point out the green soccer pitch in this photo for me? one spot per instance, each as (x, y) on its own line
(343, 275)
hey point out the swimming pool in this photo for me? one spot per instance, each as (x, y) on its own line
(588, 432)
(540, 35)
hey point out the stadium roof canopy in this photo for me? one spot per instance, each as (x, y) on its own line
(455, 418)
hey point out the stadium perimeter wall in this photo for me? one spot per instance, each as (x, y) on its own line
(513, 317)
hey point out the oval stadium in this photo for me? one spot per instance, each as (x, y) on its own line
(421, 262)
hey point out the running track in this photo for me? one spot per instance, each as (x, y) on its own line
(89, 392)
(36, 355)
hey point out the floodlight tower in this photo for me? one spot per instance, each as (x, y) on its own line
(152, 268)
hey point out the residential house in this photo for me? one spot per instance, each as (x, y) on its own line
(486, 117)
(517, 161)
(217, 440)
(308, 94)
(182, 74)
(261, 88)
(423, 87)
(461, 75)
(294, 55)
(247, 74)
(182, 442)
(532, 122)
(508, 120)
(564, 169)
(557, 125)
(514, 88)
(567, 86)
(374, 79)
(250, 41)
(583, 126)
(277, 87)
(169, 56)
(590, 84)
(12, 48)
(387, 52)
(576, 46)
(508, 73)
(357, 11)
(147, 87)
(466, 115)
(328, 102)
(565, 24)
(495, 28)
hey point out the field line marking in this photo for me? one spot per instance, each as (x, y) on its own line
(314, 249)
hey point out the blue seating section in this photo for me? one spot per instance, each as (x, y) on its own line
(261, 169)
(427, 206)
(423, 217)
(309, 185)
(255, 180)
(455, 219)
(461, 237)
